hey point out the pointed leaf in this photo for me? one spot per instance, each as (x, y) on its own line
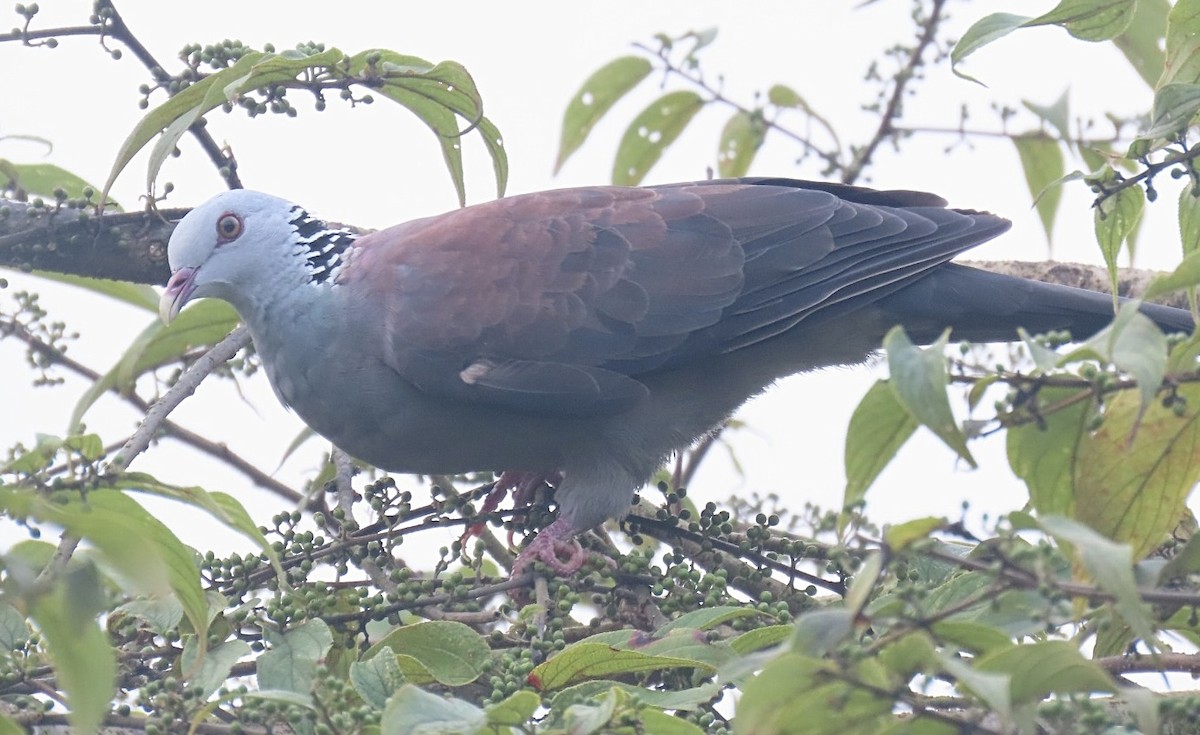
(377, 678)
(290, 663)
(919, 380)
(1114, 218)
(581, 661)
(984, 31)
(597, 95)
(1109, 564)
(1142, 42)
(1037, 670)
(135, 294)
(85, 664)
(1175, 105)
(1090, 20)
(740, 140)
(655, 128)
(514, 711)
(1186, 275)
(1133, 343)
(1043, 164)
(879, 427)
(1057, 114)
(440, 651)
(41, 179)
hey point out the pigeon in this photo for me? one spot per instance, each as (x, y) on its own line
(585, 334)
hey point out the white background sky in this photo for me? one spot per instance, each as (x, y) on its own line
(376, 166)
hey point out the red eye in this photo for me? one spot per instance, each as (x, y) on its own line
(229, 227)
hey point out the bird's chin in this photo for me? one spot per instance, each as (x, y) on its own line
(178, 293)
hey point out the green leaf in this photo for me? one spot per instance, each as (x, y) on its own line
(992, 688)
(1036, 670)
(85, 664)
(740, 140)
(1043, 164)
(1133, 343)
(1110, 566)
(514, 711)
(984, 31)
(200, 325)
(1090, 20)
(437, 94)
(581, 661)
(1185, 275)
(1142, 41)
(162, 614)
(377, 678)
(879, 427)
(819, 631)
(135, 294)
(41, 179)
(597, 95)
(782, 95)
(796, 694)
(221, 506)
(1057, 114)
(440, 651)
(1189, 220)
(413, 711)
(1175, 105)
(661, 723)
(140, 548)
(918, 380)
(760, 638)
(678, 699)
(971, 636)
(1135, 473)
(214, 668)
(290, 663)
(902, 535)
(1044, 454)
(9, 726)
(707, 618)
(14, 630)
(1182, 65)
(1114, 219)
(655, 128)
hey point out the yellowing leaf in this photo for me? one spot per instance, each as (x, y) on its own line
(1135, 491)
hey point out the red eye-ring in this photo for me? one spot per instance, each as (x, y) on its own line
(229, 227)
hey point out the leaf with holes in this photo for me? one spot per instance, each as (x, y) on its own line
(595, 98)
(740, 140)
(655, 128)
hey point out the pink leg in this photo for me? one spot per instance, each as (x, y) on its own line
(524, 487)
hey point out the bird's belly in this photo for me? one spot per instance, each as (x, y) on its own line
(372, 413)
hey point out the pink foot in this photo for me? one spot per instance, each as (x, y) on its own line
(556, 547)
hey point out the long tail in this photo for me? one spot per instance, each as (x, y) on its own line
(988, 307)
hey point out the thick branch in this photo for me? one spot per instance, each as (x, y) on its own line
(128, 246)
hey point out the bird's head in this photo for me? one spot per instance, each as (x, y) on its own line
(240, 244)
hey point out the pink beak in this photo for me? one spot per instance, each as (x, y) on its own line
(179, 290)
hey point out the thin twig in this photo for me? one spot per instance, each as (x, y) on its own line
(218, 355)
